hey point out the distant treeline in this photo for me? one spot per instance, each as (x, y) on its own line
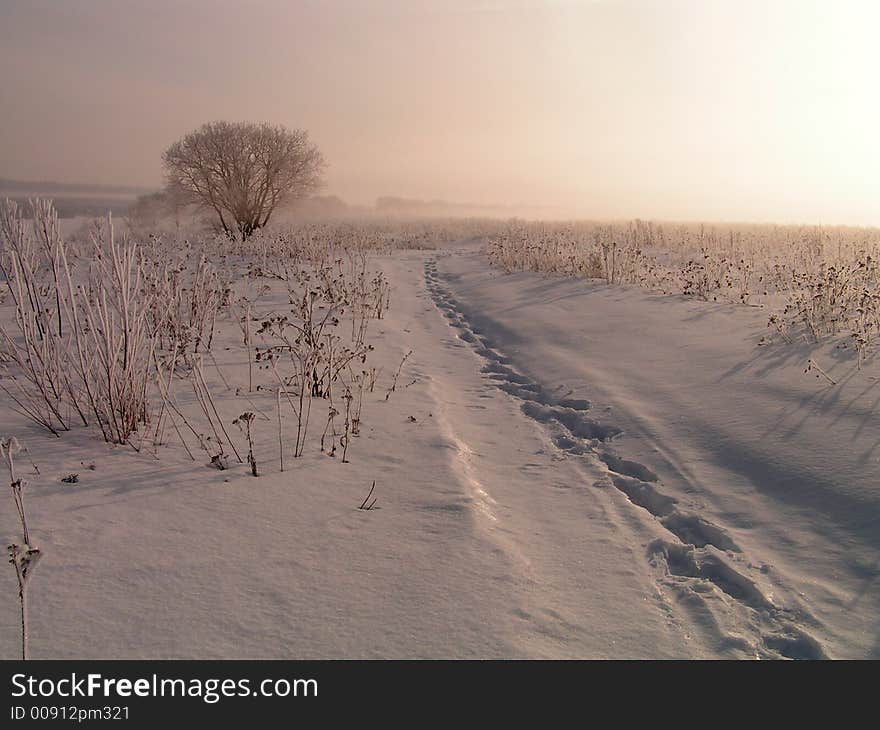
(71, 207)
(17, 188)
(73, 199)
(84, 199)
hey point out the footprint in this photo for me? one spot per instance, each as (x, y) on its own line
(577, 423)
(575, 404)
(708, 564)
(793, 643)
(694, 530)
(628, 468)
(644, 495)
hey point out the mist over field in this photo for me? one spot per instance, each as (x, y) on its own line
(739, 110)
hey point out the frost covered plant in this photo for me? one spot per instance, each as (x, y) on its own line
(359, 381)
(219, 461)
(185, 294)
(83, 345)
(841, 299)
(9, 447)
(780, 326)
(820, 373)
(89, 322)
(280, 428)
(23, 557)
(347, 428)
(209, 408)
(103, 329)
(245, 423)
(819, 282)
(330, 428)
(308, 350)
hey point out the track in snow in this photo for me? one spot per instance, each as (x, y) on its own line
(698, 554)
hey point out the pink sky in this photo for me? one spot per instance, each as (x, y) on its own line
(706, 109)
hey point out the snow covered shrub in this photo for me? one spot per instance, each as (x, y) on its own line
(83, 343)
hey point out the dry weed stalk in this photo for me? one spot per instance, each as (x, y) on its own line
(280, 430)
(393, 387)
(24, 557)
(245, 423)
(366, 504)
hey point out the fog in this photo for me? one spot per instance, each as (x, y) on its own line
(761, 110)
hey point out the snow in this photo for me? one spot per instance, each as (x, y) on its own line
(565, 469)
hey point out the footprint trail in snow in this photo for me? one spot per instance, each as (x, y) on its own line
(698, 561)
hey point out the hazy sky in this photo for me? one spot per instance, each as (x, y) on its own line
(708, 109)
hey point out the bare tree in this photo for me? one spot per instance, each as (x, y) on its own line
(243, 171)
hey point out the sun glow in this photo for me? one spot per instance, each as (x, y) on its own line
(761, 110)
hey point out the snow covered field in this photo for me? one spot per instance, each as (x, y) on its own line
(748, 485)
(565, 469)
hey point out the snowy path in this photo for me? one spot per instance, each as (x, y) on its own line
(764, 485)
(564, 470)
(484, 543)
